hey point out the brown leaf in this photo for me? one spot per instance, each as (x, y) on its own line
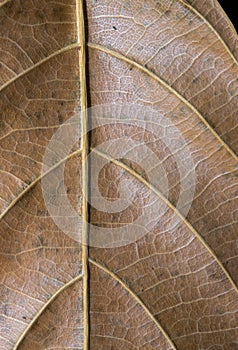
(174, 287)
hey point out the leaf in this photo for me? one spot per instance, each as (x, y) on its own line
(175, 287)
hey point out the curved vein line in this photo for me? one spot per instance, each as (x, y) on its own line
(168, 87)
(56, 53)
(24, 52)
(173, 208)
(13, 131)
(227, 17)
(135, 297)
(17, 291)
(33, 183)
(192, 9)
(207, 332)
(116, 338)
(84, 145)
(4, 3)
(40, 312)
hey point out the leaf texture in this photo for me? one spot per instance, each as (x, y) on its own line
(175, 287)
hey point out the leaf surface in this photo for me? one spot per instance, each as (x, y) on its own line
(175, 287)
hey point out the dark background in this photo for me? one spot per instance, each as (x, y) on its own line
(230, 8)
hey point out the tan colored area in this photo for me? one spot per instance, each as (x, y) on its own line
(174, 288)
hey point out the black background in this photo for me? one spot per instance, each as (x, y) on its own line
(230, 8)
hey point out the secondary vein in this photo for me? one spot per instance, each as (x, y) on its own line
(45, 59)
(168, 87)
(138, 300)
(192, 9)
(173, 208)
(40, 312)
(33, 183)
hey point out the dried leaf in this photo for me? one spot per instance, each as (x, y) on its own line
(174, 287)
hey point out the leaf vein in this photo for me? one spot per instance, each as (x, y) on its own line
(54, 54)
(139, 301)
(40, 312)
(192, 9)
(33, 183)
(174, 209)
(168, 87)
